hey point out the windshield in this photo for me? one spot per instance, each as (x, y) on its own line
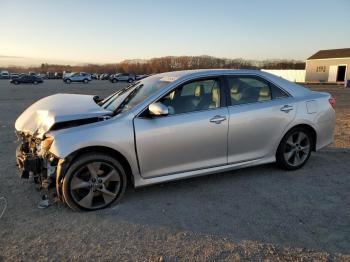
(132, 95)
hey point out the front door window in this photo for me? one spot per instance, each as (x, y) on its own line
(194, 96)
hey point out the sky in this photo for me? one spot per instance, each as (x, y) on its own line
(103, 31)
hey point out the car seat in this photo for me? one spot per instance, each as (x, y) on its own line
(215, 98)
(264, 94)
(235, 93)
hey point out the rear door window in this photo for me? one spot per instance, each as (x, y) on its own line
(252, 89)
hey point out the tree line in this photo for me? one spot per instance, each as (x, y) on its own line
(164, 64)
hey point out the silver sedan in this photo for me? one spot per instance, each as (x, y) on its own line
(166, 127)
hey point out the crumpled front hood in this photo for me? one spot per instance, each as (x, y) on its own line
(43, 114)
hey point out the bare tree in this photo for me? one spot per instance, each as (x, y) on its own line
(165, 64)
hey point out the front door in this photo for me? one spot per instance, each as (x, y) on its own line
(193, 136)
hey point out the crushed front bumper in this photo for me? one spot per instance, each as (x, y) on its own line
(34, 162)
(28, 164)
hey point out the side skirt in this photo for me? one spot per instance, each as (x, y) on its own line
(139, 181)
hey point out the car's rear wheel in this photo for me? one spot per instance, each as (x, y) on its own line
(16, 82)
(35, 82)
(86, 81)
(68, 81)
(294, 149)
(130, 80)
(94, 181)
(114, 81)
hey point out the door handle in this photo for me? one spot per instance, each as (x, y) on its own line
(286, 108)
(217, 119)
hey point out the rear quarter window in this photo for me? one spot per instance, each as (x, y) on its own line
(277, 92)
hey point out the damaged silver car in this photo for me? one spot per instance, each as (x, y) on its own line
(166, 127)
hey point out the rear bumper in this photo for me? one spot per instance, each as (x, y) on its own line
(325, 134)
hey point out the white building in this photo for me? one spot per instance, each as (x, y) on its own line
(330, 66)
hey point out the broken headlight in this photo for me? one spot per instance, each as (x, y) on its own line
(46, 144)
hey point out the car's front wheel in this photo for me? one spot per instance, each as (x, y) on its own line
(294, 149)
(130, 80)
(68, 81)
(114, 81)
(36, 82)
(93, 181)
(86, 81)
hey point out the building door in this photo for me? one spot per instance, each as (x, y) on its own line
(332, 75)
(341, 73)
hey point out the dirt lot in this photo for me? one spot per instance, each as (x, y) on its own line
(251, 214)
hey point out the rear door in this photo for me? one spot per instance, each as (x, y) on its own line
(259, 113)
(193, 136)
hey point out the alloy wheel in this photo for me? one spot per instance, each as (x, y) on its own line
(297, 149)
(95, 185)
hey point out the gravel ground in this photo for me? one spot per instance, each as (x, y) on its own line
(259, 213)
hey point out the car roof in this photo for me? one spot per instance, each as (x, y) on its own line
(290, 87)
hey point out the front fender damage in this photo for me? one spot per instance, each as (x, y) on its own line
(62, 167)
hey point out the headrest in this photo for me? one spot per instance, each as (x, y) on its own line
(197, 91)
(234, 88)
(216, 96)
(264, 91)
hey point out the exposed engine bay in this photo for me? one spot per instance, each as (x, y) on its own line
(52, 113)
(34, 160)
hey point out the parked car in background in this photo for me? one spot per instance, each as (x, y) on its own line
(77, 77)
(58, 75)
(122, 77)
(5, 75)
(50, 75)
(104, 76)
(26, 79)
(42, 75)
(170, 126)
(15, 75)
(32, 74)
(94, 76)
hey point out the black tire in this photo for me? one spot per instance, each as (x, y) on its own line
(130, 80)
(292, 154)
(114, 80)
(68, 81)
(86, 81)
(80, 171)
(35, 82)
(16, 82)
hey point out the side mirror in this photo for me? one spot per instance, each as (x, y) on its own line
(158, 109)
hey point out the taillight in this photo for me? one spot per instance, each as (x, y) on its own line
(332, 102)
